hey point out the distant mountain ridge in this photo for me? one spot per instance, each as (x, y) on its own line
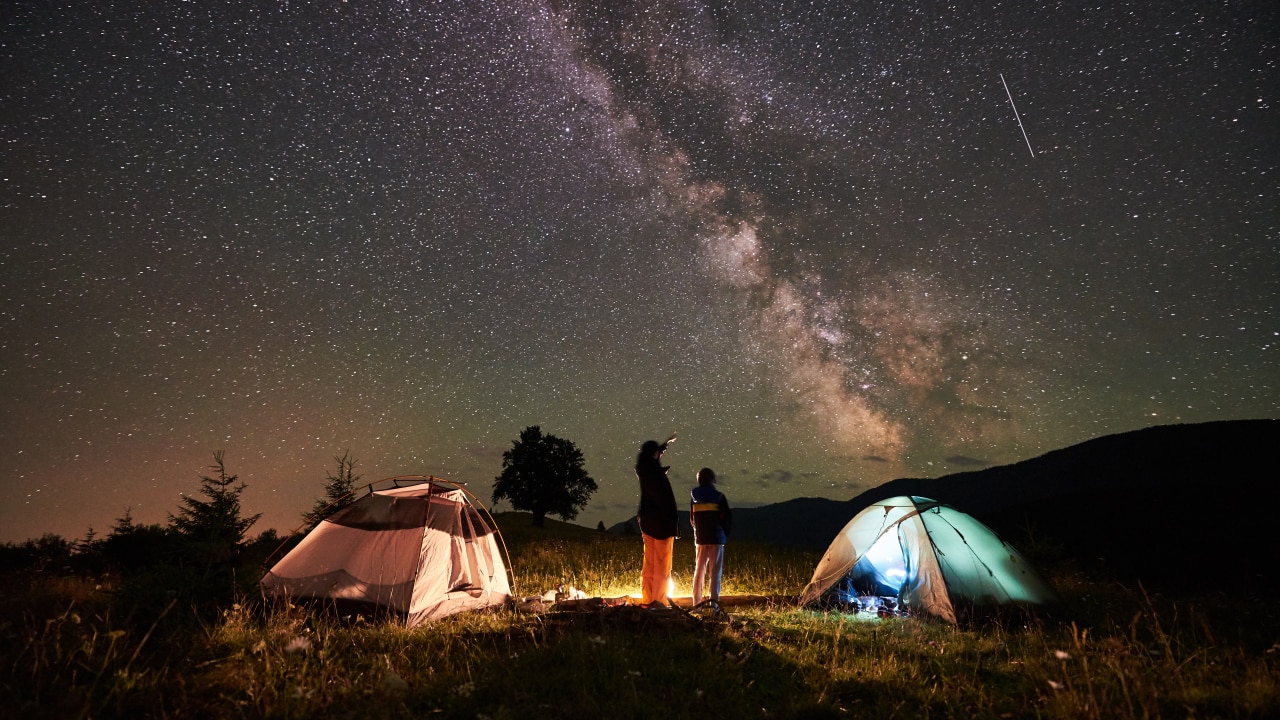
(1193, 501)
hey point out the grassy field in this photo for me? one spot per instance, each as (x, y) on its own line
(70, 648)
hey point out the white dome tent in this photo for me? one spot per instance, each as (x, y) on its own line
(930, 557)
(419, 548)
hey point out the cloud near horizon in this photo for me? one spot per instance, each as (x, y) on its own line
(966, 461)
(777, 476)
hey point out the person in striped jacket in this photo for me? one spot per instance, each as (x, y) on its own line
(711, 519)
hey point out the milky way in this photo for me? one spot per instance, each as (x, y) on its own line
(809, 239)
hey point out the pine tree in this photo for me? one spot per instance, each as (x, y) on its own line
(339, 490)
(214, 527)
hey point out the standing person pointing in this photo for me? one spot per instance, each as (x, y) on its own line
(658, 523)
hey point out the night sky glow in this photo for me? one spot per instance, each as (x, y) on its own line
(811, 238)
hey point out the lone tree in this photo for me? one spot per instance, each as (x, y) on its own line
(544, 474)
(338, 490)
(214, 527)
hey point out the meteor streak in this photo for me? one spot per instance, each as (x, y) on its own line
(1016, 116)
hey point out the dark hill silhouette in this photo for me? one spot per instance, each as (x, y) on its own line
(1171, 505)
(1193, 504)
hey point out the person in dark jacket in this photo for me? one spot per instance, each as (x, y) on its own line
(712, 519)
(658, 521)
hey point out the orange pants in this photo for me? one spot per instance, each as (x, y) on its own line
(657, 569)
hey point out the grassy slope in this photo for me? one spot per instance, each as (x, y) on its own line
(1113, 652)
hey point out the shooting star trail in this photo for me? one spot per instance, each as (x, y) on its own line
(1015, 114)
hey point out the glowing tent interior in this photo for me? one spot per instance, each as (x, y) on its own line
(420, 549)
(928, 557)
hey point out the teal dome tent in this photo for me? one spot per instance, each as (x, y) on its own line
(929, 557)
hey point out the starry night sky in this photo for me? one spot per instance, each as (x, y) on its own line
(811, 238)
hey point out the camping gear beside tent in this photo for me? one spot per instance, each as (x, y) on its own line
(420, 549)
(926, 557)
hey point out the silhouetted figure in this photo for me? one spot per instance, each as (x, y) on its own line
(658, 521)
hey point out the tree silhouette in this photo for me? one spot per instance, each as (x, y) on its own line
(544, 474)
(214, 528)
(130, 546)
(338, 490)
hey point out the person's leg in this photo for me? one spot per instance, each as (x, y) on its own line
(716, 561)
(665, 550)
(699, 573)
(649, 574)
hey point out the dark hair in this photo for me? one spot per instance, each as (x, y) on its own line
(706, 476)
(647, 450)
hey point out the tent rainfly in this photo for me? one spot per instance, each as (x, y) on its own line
(422, 551)
(929, 556)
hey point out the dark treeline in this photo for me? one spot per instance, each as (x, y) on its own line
(201, 559)
(204, 557)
